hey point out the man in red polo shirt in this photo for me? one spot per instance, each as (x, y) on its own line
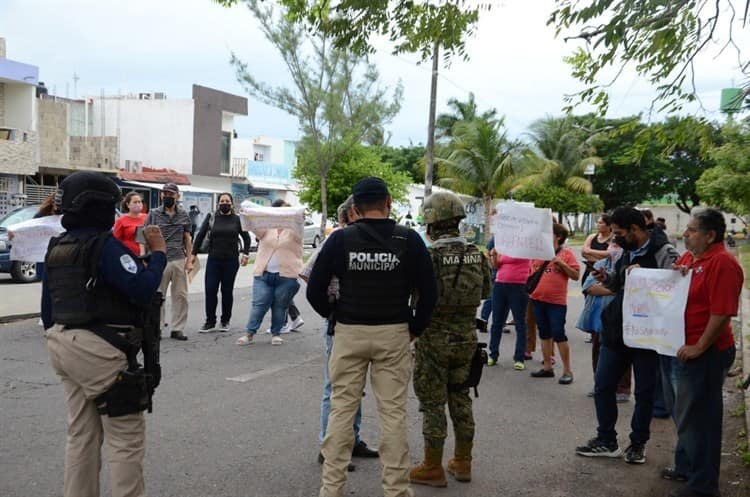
(694, 379)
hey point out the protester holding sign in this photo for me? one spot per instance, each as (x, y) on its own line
(549, 300)
(693, 381)
(277, 266)
(640, 249)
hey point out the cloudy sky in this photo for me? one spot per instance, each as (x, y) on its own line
(167, 45)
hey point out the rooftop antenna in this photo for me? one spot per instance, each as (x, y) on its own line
(75, 85)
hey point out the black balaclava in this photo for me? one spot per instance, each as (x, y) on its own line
(97, 216)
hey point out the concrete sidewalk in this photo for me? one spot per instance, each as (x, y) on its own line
(22, 300)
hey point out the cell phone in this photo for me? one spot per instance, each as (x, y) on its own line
(139, 238)
(590, 266)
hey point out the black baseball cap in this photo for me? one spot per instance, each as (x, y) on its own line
(370, 189)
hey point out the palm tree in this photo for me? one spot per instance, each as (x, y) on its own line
(558, 155)
(462, 111)
(479, 162)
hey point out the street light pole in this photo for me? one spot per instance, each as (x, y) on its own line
(589, 171)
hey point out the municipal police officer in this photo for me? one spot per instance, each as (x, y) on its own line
(379, 265)
(95, 292)
(445, 350)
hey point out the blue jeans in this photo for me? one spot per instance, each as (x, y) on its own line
(275, 292)
(612, 364)
(486, 310)
(325, 402)
(550, 320)
(693, 392)
(508, 297)
(220, 273)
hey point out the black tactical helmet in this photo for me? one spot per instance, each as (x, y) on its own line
(83, 188)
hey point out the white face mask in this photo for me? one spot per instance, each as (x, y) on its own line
(135, 208)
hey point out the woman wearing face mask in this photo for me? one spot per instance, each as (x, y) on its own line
(223, 229)
(127, 224)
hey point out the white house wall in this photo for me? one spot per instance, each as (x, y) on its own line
(158, 133)
(20, 102)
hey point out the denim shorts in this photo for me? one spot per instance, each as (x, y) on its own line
(550, 320)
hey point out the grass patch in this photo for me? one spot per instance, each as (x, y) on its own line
(743, 452)
(738, 412)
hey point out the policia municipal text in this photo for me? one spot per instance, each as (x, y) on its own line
(380, 265)
(100, 306)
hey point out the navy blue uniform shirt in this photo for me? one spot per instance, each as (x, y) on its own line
(119, 269)
(420, 276)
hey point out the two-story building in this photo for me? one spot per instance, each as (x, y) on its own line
(167, 139)
(19, 152)
(267, 165)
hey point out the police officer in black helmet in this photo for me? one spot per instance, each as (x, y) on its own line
(94, 294)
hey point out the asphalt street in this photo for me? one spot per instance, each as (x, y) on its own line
(244, 421)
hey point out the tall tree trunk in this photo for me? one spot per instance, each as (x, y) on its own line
(323, 204)
(430, 154)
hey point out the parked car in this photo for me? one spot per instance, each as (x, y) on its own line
(21, 272)
(311, 234)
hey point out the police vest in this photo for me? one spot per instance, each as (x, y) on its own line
(374, 287)
(78, 297)
(460, 273)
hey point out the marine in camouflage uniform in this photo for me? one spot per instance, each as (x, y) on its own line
(445, 350)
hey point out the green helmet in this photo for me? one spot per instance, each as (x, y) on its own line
(442, 206)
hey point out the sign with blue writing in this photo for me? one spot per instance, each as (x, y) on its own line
(268, 172)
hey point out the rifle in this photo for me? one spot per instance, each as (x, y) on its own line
(150, 345)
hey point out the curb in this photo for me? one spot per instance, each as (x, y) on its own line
(19, 317)
(192, 298)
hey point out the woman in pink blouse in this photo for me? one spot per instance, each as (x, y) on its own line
(509, 294)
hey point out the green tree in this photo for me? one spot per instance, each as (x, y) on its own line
(658, 39)
(632, 167)
(335, 94)
(422, 27)
(460, 111)
(561, 200)
(409, 160)
(558, 155)
(688, 143)
(359, 162)
(479, 162)
(727, 185)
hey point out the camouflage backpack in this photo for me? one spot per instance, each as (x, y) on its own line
(461, 273)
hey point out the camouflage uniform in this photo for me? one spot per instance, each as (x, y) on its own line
(445, 350)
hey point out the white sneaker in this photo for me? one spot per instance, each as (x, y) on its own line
(297, 323)
(277, 340)
(284, 329)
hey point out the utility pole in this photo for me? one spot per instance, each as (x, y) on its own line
(429, 159)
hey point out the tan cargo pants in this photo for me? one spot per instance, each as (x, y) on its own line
(87, 366)
(174, 274)
(384, 349)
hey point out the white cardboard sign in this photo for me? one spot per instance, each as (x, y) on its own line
(653, 309)
(30, 238)
(256, 218)
(523, 231)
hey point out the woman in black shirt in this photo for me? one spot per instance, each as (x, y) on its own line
(223, 229)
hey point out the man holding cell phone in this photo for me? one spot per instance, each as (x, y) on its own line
(641, 249)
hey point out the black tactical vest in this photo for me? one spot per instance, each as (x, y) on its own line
(374, 287)
(78, 297)
(460, 273)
